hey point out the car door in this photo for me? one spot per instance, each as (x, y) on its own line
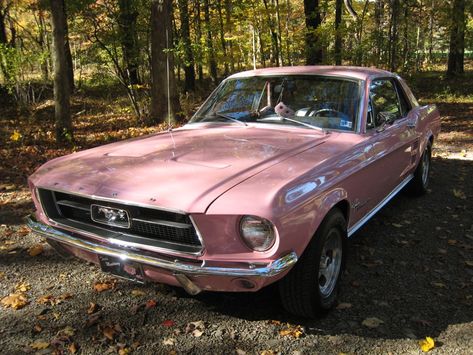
(390, 143)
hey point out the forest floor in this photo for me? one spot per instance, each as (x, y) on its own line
(409, 272)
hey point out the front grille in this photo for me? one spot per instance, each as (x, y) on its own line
(146, 225)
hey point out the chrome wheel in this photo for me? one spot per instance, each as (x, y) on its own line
(425, 167)
(330, 263)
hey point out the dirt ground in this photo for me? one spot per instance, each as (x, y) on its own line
(409, 272)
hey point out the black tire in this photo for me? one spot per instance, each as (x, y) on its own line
(420, 182)
(303, 290)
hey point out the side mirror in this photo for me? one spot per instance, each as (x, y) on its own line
(384, 119)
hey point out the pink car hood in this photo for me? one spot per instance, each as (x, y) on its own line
(184, 170)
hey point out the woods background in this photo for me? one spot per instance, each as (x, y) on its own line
(76, 74)
(125, 46)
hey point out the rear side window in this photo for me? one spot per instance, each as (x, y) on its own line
(384, 102)
(404, 103)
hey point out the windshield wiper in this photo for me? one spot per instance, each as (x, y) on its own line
(303, 123)
(228, 117)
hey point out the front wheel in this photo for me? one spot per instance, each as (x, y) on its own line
(311, 287)
(420, 182)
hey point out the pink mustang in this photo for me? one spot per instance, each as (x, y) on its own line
(265, 183)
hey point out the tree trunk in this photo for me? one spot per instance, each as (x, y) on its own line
(431, 30)
(129, 41)
(198, 34)
(164, 98)
(260, 45)
(67, 51)
(42, 41)
(274, 36)
(4, 41)
(228, 25)
(312, 22)
(378, 32)
(338, 34)
(406, 58)
(189, 72)
(278, 21)
(62, 83)
(457, 39)
(210, 47)
(286, 30)
(393, 35)
(222, 37)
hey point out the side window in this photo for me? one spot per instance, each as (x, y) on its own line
(384, 103)
(405, 105)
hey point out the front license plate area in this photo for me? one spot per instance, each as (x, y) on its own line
(123, 269)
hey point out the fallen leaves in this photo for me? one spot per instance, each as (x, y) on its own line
(427, 344)
(37, 328)
(342, 306)
(295, 331)
(168, 323)
(112, 333)
(53, 301)
(150, 304)
(67, 331)
(138, 293)
(109, 332)
(104, 286)
(36, 250)
(16, 136)
(438, 284)
(39, 345)
(72, 348)
(195, 328)
(22, 287)
(268, 352)
(15, 301)
(169, 341)
(372, 322)
(93, 308)
(459, 194)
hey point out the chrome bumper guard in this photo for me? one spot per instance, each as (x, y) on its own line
(272, 269)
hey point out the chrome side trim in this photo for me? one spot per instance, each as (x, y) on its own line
(380, 205)
(271, 269)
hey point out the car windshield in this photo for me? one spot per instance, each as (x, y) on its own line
(312, 101)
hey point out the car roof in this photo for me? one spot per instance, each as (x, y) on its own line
(353, 72)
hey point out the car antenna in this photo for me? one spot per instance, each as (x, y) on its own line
(168, 74)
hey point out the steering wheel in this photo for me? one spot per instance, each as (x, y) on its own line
(322, 110)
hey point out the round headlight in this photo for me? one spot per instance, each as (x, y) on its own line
(257, 233)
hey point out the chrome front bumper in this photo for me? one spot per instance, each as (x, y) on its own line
(267, 270)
